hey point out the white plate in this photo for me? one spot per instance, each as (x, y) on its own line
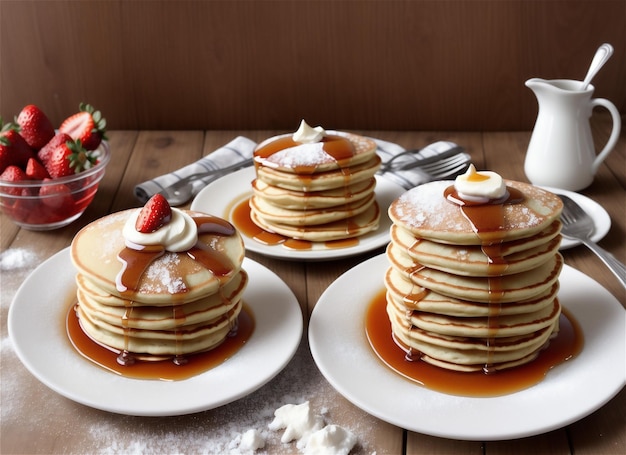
(568, 393)
(220, 197)
(36, 325)
(601, 218)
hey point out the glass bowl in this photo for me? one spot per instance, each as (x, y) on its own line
(62, 200)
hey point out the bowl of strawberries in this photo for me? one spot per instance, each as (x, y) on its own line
(48, 176)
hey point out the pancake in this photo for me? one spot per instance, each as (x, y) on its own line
(319, 181)
(285, 154)
(473, 279)
(505, 288)
(116, 311)
(145, 343)
(427, 214)
(316, 185)
(471, 260)
(153, 292)
(407, 294)
(95, 249)
(299, 200)
(470, 355)
(354, 226)
(309, 217)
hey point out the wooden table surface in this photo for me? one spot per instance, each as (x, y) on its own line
(37, 420)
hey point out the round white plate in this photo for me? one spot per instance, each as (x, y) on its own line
(36, 325)
(220, 197)
(601, 218)
(568, 393)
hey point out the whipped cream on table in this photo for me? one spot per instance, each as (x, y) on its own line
(480, 186)
(298, 421)
(251, 440)
(180, 234)
(310, 431)
(307, 134)
(330, 440)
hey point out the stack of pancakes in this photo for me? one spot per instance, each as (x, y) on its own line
(153, 304)
(319, 191)
(474, 287)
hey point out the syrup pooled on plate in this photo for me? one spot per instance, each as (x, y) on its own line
(473, 278)
(166, 368)
(160, 293)
(565, 346)
(314, 187)
(241, 219)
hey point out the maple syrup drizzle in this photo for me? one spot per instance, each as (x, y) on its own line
(341, 150)
(241, 218)
(566, 345)
(135, 260)
(487, 221)
(160, 368)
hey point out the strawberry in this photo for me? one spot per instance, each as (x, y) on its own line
(35, 170)
(155, 214)
(87, 125)
(13, 148)
(62, 156)
(56, 196)
(59, 139)
(35, 127)
(13, 174)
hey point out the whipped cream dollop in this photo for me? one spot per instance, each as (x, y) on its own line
(307, 134)
(480, 186)
(180, 234)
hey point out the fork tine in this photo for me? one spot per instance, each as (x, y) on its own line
(443, 164)
(572, 207)
(450, 172)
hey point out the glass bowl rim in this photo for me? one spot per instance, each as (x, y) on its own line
(104, 156)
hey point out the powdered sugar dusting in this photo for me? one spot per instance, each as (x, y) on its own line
(426, 209)
(163, 276)
(302, 155)
(426, 205)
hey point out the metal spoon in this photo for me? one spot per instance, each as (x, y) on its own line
(603, 53)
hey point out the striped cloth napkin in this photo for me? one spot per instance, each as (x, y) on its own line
(239, 149)
(414, 176)
(242, 148)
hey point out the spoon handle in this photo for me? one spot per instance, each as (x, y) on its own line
(603, 53)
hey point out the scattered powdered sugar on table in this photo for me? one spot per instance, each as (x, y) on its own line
(17, 258)
(240, 428)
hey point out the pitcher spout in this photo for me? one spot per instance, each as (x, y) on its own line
(537, 84)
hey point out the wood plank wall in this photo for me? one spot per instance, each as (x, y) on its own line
(368, 64)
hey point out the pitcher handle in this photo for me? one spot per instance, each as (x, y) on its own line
(617, 124)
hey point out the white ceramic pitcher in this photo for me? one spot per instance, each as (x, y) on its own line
(561, 152)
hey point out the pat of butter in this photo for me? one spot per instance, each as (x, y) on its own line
(308, 135)
(479, 186)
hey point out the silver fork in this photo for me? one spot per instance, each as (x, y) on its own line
(443, 165)
(447, 167)
(577, 224)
